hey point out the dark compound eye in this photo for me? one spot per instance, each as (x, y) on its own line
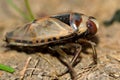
(92, 27)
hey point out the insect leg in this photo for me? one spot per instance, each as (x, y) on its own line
(78, 48)
(94, 54)
(76, 56)
(63, 58)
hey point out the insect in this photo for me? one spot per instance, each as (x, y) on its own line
(72, 28)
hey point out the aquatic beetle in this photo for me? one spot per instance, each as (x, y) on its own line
(61, 28)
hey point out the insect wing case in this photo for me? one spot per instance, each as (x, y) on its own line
(40, 32)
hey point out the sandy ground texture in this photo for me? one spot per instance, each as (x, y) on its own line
(108, 46)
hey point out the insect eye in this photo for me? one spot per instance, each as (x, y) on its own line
(92, 27)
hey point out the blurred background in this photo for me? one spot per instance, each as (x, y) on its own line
(107, 12)
(101, 9)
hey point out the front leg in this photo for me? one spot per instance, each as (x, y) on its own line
(94, 54)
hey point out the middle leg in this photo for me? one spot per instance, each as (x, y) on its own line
(76, 56)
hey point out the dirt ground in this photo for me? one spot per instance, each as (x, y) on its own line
(108, 46)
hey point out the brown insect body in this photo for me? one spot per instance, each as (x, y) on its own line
(51, 29)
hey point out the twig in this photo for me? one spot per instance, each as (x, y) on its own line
(22, 73)
(86, 71)
(36, 63)
(34, 69)
(112, 58)
(55, 71)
